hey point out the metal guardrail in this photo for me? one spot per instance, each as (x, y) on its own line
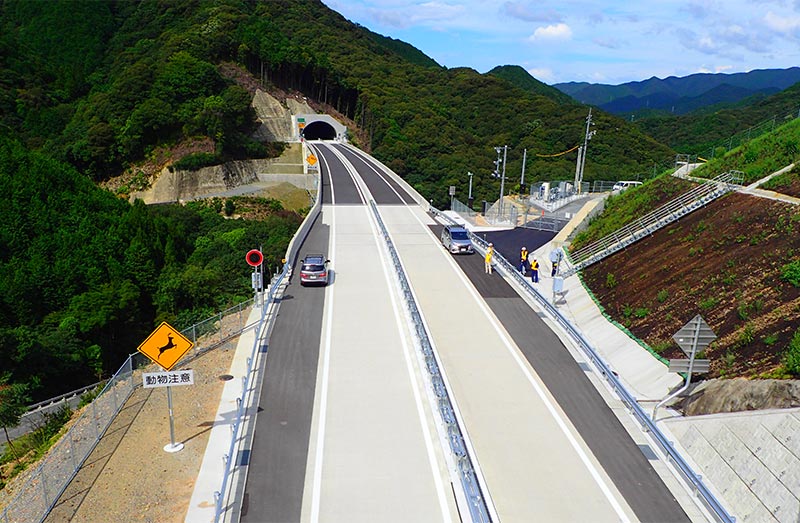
(649, 223)
(241, 404)
(58, 399)
(264, 324)
(694, 481)
(478, 506)
(545, 224)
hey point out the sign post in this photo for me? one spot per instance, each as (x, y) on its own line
(691, 338)
(166, 379)
(165, 346)
(255, 259)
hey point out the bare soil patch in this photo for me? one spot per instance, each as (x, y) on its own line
(129, 476)
(723, 262)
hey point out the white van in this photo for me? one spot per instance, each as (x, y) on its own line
(621, 186)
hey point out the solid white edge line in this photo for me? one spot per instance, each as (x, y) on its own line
(526, 371)
(363, 192)
(432, 461)
(317, 484)
(382, 176)
(523, 366)
(316, 492)
(484, 487)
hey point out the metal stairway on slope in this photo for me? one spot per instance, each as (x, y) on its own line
(651, 222)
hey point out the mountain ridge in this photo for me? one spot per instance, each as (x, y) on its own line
(680, 95)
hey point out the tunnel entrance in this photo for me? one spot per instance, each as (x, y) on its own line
(319, 130)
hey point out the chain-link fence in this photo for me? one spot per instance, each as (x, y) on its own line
(501, 213)
(56, 470)
(465, 212)
(735, 140)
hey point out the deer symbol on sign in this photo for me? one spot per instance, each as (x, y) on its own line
(170, 345)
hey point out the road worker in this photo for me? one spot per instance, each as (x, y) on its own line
(488, 258)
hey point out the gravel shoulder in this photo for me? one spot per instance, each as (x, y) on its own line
(129, 476)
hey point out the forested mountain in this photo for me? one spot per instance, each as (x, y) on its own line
(151, 75)
(523, 79)
(84, 275)
(703, 132)
(433, 125)
(682, 95)
(667, 104)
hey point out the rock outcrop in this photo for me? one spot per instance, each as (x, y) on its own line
(276, 120)
(740, 394)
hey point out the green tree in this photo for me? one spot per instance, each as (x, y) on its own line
(13, 403)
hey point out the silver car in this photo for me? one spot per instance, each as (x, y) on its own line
(314, 270)
(456, 240)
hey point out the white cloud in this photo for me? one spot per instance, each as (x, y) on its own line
(543, 74)
(782, 24)
(614, 41)
(757, 42)
(552, 32)
(714, 69)
(410, 14)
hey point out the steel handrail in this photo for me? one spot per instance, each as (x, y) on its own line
(648, 223)
(241, 404)
(263, 326)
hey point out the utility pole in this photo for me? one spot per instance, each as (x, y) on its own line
(522, 178)
(502, 176)
(582, 152)
(469, 197)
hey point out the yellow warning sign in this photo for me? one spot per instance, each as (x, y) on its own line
(165, 346)
(311, 159)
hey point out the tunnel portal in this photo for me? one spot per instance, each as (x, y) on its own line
(319, 130)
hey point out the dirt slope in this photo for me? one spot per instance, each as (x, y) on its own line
(722, 262)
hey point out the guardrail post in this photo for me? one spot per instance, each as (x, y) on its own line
(114, 392)
(94, 421)
(44, 487)
(129, 364)
(72, 452)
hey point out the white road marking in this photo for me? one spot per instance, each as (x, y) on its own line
(526, 371)
(317, 483)
(326, 358)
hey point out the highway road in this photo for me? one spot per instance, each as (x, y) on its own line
(345, 430)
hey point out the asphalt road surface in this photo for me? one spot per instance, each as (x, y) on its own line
(343, 434)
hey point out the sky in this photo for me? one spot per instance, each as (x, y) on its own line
(610, 42)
